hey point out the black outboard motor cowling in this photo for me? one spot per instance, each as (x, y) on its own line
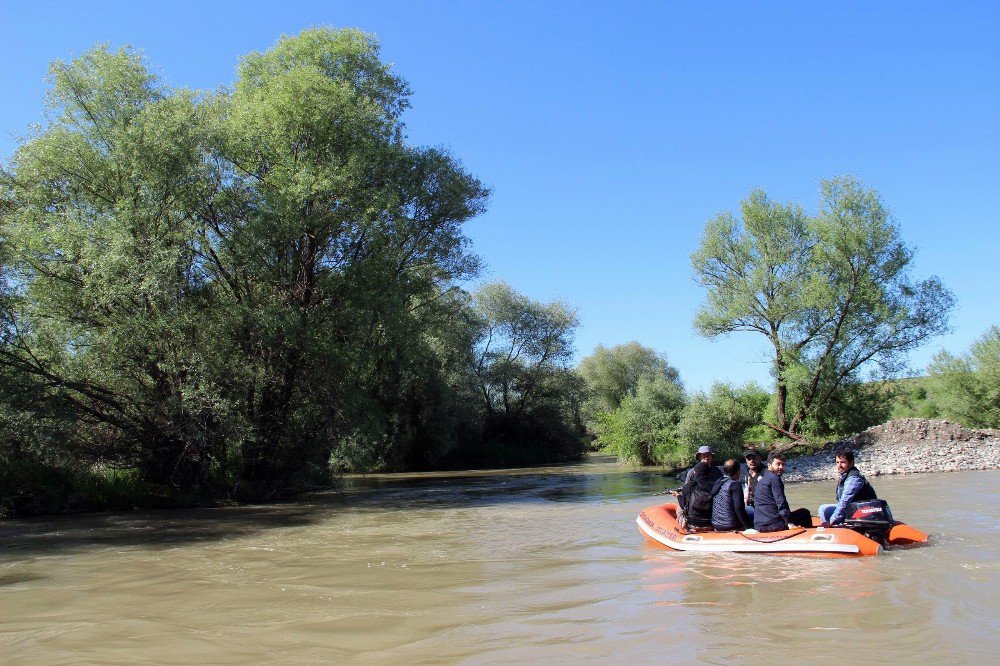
(872, 518)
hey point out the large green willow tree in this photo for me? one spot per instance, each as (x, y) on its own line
(830, 292)
(222, 288)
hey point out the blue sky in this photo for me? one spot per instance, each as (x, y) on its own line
(610, 132)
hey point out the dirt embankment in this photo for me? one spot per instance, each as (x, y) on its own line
(905, 446)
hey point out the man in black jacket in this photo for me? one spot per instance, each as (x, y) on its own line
(696, 496)
(771, 512)
(728, 511)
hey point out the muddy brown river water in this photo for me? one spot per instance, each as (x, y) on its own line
(519, 566)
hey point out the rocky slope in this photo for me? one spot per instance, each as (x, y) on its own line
(905, 446)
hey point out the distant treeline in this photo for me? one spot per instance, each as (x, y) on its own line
(637, 408)
(831, 293)
(236, 294)
(964, 388)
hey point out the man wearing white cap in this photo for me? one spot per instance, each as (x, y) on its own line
(705, 455)
(696, 495)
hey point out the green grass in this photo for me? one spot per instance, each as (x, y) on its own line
(31, 487)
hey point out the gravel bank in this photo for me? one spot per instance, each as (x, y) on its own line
(905, 446)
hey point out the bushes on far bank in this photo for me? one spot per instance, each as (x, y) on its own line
(725, 418)
(665, 427)
(966, 388)
(637, 409)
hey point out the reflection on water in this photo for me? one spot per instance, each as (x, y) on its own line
(490, 567)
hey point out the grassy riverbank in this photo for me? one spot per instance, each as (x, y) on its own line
(31, 487)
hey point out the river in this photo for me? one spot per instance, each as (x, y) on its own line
(495, 567)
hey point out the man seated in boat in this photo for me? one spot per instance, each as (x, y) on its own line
(728, 510)
(755, 467)
(696, 495)
(704, 454)
(852, 486)
(771, 511)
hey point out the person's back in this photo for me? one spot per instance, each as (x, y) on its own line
(728, 510)
(696, 496)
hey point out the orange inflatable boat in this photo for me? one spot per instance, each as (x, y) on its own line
(659, 526)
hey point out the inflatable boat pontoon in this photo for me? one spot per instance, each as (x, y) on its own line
(659, 526)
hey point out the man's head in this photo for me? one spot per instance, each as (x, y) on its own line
(753, 459)
(732, 468)
(845, 461)
(776, 462)
(705, 454)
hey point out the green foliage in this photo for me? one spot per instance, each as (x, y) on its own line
(612, 374)
(853, 408)
(530, 397)
(30, 485)
(423, 404)
(633, 401)
(227, 291)
(912, 398)
(831, 293)
(966, 388)
(724, 418)
(643, 428)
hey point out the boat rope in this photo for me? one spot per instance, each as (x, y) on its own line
(772, 536)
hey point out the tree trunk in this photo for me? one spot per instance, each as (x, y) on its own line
(781, 388)
(786, 433)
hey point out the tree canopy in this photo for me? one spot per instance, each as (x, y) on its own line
(521, 370)
(227, 289)
(613, 373)
(633, 402)
(723, 418)
(643, 428)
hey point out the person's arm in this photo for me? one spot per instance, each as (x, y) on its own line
(851, 487)
(778, 491)
(686, 493)
(739, 507)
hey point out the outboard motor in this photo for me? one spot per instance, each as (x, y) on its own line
(872, 518)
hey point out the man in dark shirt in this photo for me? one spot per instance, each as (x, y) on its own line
(728, 511)
(771, 512)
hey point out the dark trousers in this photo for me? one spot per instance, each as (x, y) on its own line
(800, 517)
